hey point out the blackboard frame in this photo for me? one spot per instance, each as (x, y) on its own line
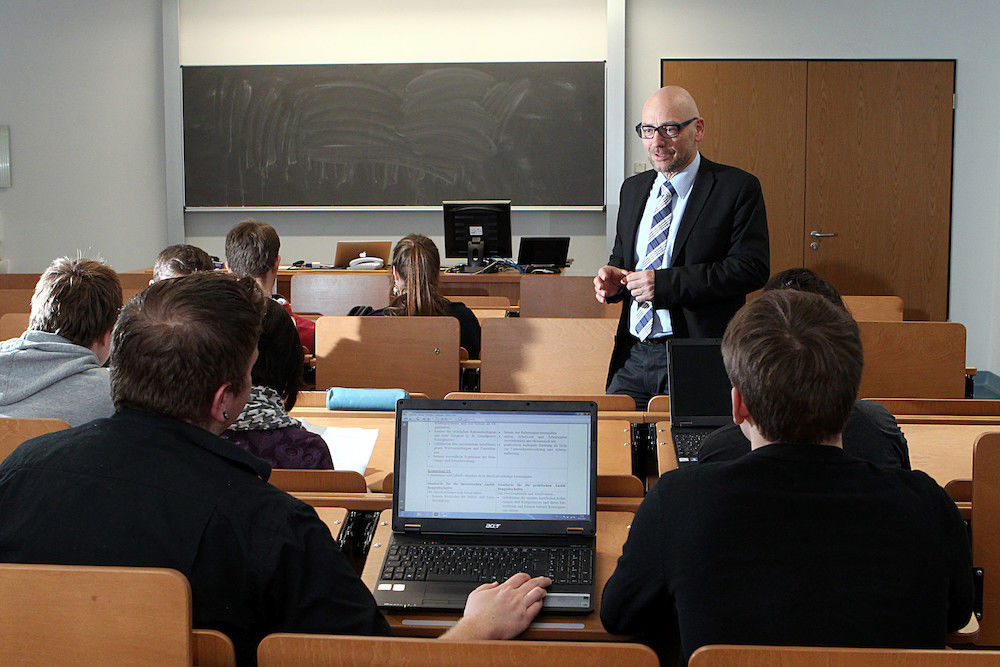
(378, 137)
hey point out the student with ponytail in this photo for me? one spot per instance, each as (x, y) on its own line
(416, 267)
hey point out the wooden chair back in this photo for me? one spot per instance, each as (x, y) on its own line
(605, 402)
(419, 354)
(13, 325)
(810, 656)
(88, 615)
(546, 355)
(135, 281)
(310, 481)
(15, 300)
(959, 407)
(875, 308)
(19, 280)
(986, 532)
(563, 296)
(337, 293)
(913, 359)
(19, 300)
(483, 302)
(659, 403)
(285, 650)
(212, 649)
(15, 430)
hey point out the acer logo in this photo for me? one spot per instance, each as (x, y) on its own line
(493, 525)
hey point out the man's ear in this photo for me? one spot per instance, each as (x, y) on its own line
(277, 263)
(102, 346)
(220, 411)
(740, 412)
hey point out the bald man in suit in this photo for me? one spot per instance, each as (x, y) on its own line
(691, 244)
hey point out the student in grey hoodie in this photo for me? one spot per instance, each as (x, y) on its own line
(55, 368)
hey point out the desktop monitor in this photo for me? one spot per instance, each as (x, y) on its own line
(476, 230)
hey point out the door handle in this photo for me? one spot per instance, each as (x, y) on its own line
(820, 235)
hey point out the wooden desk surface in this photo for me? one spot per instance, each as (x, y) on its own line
(943, 451)
(614, 451)
(940, 445)
(333, 517)
(612, 529)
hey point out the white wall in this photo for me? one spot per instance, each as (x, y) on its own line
(81, 89)
(314, 31)
(965, 31)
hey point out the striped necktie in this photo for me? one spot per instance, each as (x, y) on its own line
(655, 251)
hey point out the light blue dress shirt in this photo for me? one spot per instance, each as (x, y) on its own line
(682, 182)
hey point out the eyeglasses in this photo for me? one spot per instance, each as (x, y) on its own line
(667, 130)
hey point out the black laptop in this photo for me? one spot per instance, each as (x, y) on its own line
(700, 399)
(485, 489)
(543, 252)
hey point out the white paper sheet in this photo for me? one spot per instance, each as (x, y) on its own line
(350, 448)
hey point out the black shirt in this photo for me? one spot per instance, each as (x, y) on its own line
(871, 433)
(139, 489)
(792, 544)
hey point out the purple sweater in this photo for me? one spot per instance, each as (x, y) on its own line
(288, 447)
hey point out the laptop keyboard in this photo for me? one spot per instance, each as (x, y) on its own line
(484, 564)
(687, 446)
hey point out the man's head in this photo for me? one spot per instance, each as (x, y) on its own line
(252, 250)
(79, 300)
(180, 260)
(184, 348)
(795, 362)
(671, 106)
(805, 280)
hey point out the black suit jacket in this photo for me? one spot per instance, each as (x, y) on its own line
(720, 253)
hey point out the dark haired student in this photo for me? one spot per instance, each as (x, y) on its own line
(797, 542)
(871, 432)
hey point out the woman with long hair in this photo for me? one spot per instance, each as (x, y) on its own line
(416, 269)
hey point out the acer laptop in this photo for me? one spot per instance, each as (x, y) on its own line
(485, 489)
(700, 399)
(350, 250)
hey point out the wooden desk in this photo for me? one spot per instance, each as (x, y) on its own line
(943, 451)
(506, 283)
(334, 518)
(612, 529)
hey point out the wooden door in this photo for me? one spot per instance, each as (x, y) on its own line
(878, 165)
(755, 119)
(812, 131)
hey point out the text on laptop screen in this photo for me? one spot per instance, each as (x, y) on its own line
(494, 465)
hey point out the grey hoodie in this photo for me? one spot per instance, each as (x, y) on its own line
(45, 375)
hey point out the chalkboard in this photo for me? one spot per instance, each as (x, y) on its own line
(394, 135)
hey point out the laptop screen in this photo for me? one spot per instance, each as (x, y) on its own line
(699, 385)
(507, 461)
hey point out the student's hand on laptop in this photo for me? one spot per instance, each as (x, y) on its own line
(501, 611)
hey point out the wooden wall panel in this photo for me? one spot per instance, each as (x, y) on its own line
(755, 119)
